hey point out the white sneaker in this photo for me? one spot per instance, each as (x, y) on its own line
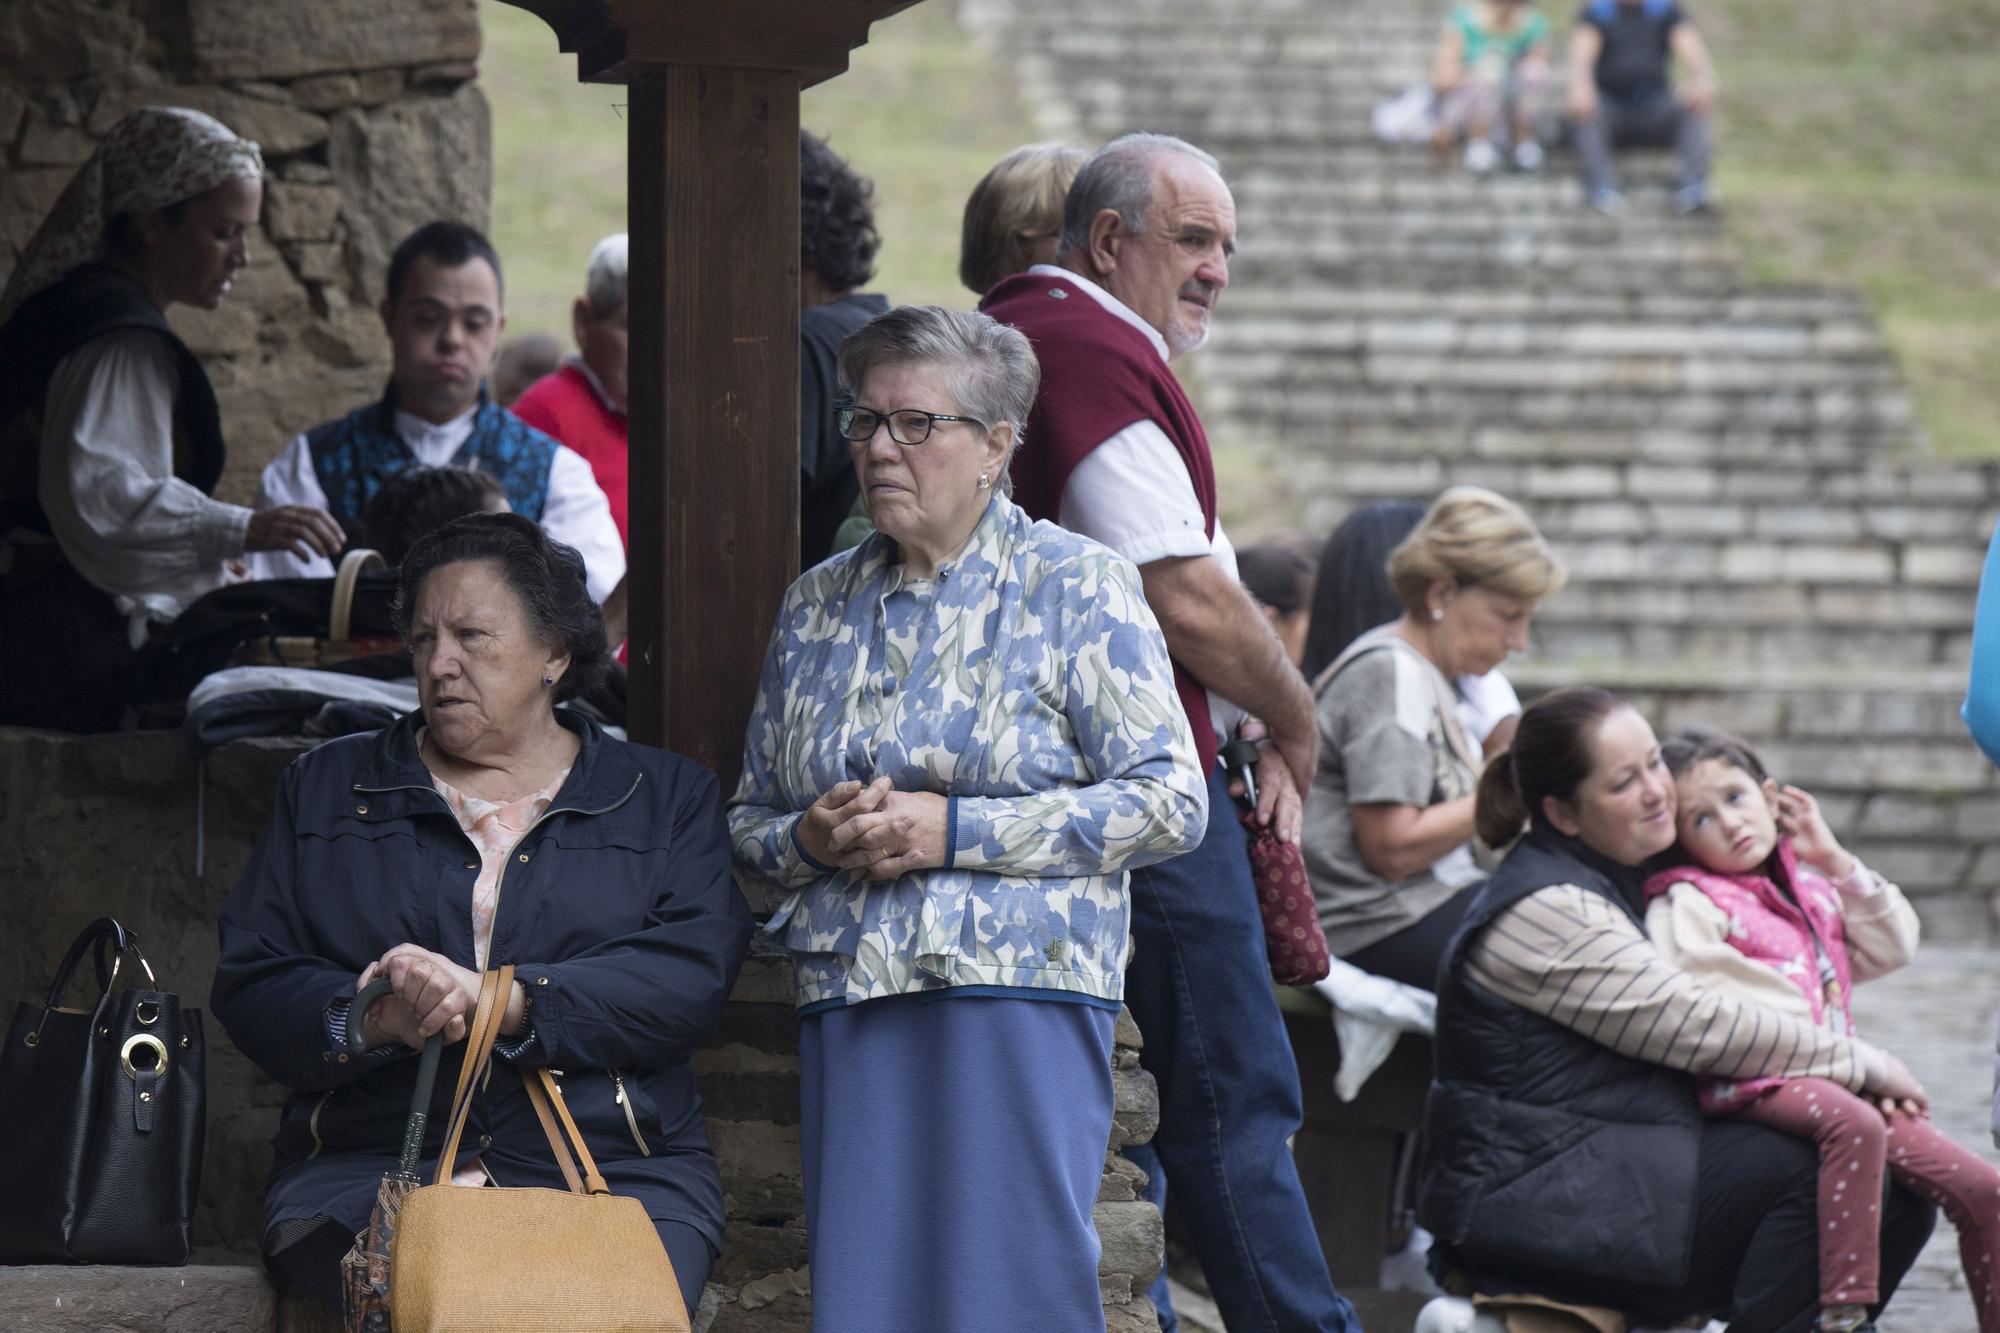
(1528, 155)
(1481, 157)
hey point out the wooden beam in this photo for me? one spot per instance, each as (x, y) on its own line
(714, 291)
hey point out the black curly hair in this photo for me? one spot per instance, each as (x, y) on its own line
(837, 236)
(547, 576)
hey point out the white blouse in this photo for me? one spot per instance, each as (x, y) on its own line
(132, 528)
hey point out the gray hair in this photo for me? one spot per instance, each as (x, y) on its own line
(604, 280)
(992, 368)
(1119, 176)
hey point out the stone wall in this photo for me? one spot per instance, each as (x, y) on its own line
(370, 124)
(132, 826)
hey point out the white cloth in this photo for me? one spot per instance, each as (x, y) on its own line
(1133, 492)
(1369, 1014)
(1484, 702)
(575, 512)
(130, 526)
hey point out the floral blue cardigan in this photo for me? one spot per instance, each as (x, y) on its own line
(1028, 682)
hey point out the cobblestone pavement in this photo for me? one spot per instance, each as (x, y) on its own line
(1938, 1015)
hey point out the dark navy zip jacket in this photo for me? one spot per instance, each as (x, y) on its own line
(618, 910)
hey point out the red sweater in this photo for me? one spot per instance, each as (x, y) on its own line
(1099, 375)
(566, 406)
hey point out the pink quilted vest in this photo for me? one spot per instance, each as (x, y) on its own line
(1767, 925)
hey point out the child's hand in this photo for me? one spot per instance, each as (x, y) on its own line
(1799, 816)
(1900, 1091)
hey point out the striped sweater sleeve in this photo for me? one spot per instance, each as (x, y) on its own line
(1571, 957)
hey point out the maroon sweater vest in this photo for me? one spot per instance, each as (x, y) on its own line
(1099, 375)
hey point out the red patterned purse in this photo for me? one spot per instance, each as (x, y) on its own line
(1292, 937)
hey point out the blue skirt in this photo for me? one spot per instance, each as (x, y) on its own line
(954, 1146)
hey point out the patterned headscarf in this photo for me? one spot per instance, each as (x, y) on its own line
(153, 158)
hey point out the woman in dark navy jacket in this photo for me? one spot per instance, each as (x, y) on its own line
(489, 828)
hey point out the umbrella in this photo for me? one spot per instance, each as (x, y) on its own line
(364, 1273)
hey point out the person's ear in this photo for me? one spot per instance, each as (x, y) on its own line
(579, 320)
(998, 441)
(1437, 597)
(1107, 240)
(152, 226)
(1561, 816)
(554, 668)
(1770, 788)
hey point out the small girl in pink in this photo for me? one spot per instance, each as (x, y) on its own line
(1768, 906)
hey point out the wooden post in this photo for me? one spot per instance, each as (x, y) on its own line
(714, 300)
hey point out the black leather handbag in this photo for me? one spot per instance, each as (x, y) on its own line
(101, 1117)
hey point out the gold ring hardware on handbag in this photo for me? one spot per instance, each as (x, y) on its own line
(145, 1041)
(118, 961)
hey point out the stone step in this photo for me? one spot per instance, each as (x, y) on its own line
(1253, 337)
(1385, 364)
(1758, 305)
(1480, 443)
(64, 1298)
(1433, 268)
(1321, 412)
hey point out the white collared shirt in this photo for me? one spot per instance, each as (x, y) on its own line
(1133, 492)
(575, 512)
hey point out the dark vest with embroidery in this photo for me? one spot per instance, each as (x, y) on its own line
(88, 303)
(355, 454)
(1554, 1164)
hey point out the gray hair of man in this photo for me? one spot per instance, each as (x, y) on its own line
(604, 279)
(990, 367)
(1119, 176)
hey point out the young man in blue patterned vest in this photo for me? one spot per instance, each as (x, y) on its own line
(443, 314)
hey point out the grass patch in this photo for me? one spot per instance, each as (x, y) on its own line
(921, 111)
(1861, 148)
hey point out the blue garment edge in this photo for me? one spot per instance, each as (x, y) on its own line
(973, 992)
(1982, 690)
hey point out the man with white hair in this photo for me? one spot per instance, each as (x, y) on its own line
(1114, 450)
(583, 403)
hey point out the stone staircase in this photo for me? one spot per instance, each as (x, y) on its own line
(1732, 472)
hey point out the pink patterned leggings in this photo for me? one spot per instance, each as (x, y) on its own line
(1855, 1146)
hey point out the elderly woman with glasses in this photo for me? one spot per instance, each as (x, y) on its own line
(965, 735)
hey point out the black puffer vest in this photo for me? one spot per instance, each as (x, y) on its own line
(1548, 1153)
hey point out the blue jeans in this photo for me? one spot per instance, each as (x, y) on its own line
(1200, 987)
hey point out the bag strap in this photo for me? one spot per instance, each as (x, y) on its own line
(480, 1035)
(544, 1092)
(351, 567)
(96, 935)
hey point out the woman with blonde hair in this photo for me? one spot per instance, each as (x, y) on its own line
(1389, 838)
(1014, 216)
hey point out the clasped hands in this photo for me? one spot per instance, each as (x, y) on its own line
(875, 829)
(429, 994)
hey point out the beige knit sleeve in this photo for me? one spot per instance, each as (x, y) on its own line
(1574, 958)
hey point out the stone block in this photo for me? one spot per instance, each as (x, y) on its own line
(1136, 1316)
(1978, 819)
(1123, 1180)
(411, 162)
(1895, 815)
(61, 1298)
(29, 196)
(1954, 566)
(1137, 1112)
(50, 145)
(255, 39)
(296, 212)
(761, 1171)
(1134, 1239)
(313, 261)
(1653, 482)
(278, 127)
(12, 107)
(751, 1250)
(44, 43)
(331, 92)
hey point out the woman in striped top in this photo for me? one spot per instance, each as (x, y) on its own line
(1568, 1154)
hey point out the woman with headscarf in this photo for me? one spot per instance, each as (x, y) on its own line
(110, 439)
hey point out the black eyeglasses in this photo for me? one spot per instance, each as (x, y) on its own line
(907, 425)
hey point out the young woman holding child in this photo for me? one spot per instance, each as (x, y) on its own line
(1764, 903)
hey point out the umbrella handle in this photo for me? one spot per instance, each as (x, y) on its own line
(427, 1066)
